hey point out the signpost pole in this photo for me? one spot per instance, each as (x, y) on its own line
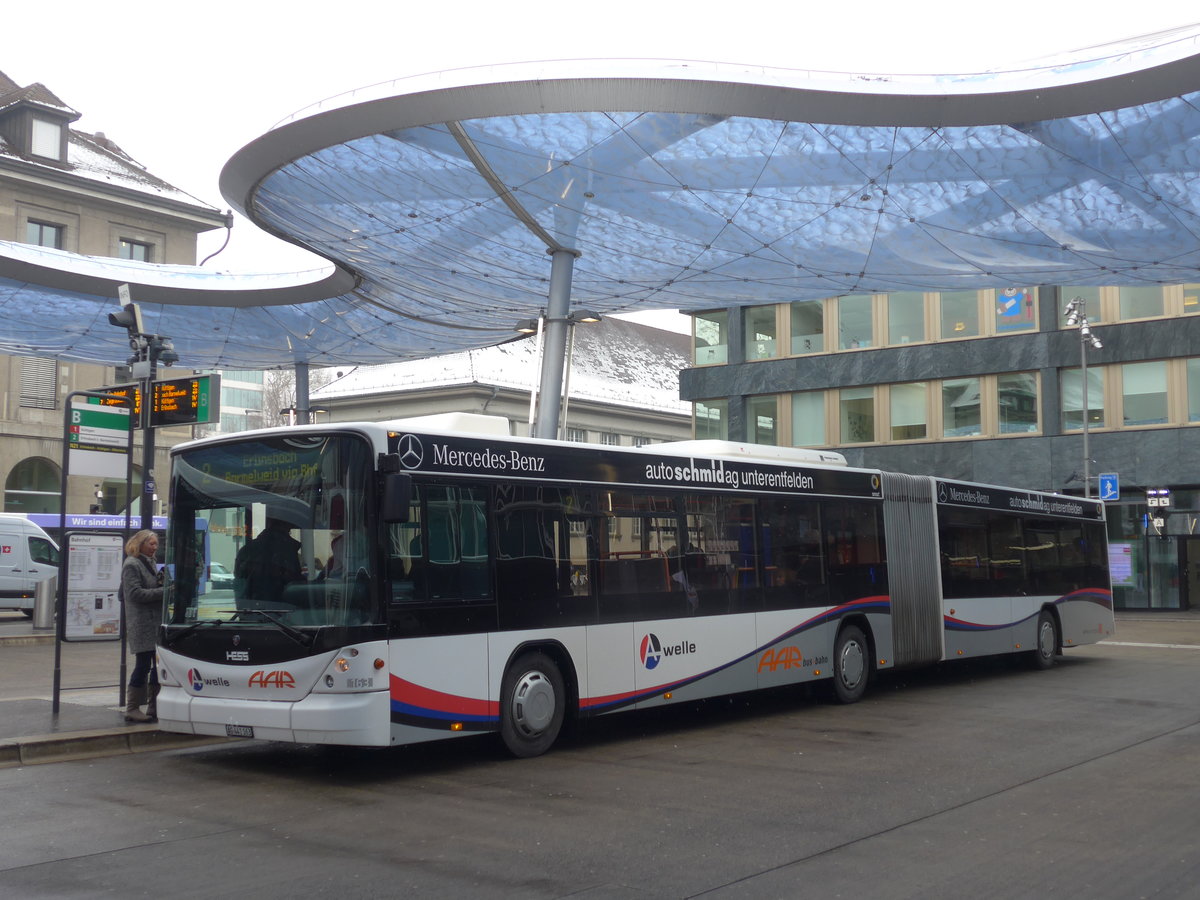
(77, 430)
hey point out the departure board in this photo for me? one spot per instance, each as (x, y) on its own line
(186, 401)
(181, 401)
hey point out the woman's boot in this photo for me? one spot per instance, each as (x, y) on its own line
(134, 698)
(152, 703)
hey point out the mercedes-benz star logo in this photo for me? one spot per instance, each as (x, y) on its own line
(943, 494)
(411, 452)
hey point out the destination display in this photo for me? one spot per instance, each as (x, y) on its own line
(954, 493)
(483, 457)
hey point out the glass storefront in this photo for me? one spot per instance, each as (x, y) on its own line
(1151, 564)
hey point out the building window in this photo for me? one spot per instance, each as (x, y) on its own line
(808, 419)
(909, 416)
(711, 338)
(855, 329)
(44, 234)
(761, 332)
(610, 439)
(807, 326)
(640, 440)
(39, 382)
(1191, 299)
(1017, 399)
(763, 415)
(1072, 399)
(47, 139)
(1140, 302)
(712, 420)
(578, 435)
(1016, 310)
(1144, 393)
(960, 314)
(961, 407)
(906, 317)
(33, 486)
(137, 250)
(1193, 389)
(856, 415)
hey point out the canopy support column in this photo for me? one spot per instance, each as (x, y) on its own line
(554, 348)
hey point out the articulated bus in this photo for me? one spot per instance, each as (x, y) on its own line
(420, 579)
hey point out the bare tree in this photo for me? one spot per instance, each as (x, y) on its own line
(279, 391)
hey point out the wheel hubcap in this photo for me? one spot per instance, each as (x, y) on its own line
(853, 663)
(1046, 640)
(533, 703)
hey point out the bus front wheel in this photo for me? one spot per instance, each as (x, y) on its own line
(532, 700)
(1042, 656)
(851, 664)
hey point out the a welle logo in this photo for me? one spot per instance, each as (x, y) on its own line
(199, 681)
(652, 650)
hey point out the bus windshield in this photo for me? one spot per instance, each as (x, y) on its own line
(285, 519)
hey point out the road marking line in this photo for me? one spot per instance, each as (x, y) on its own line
(1160, 646)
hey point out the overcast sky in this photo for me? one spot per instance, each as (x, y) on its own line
(181, 87)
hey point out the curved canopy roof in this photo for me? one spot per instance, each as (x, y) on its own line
(678, 185)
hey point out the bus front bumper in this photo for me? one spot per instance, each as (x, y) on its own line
(361, 719)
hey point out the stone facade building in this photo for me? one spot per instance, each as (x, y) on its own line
(66, 189)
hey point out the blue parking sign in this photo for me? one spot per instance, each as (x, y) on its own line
(1110, 486)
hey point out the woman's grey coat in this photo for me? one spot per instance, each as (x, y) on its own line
(143, 603)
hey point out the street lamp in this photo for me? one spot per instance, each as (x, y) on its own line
(1076, 313)
(149, 351)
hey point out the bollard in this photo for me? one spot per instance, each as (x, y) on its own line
(45, 598)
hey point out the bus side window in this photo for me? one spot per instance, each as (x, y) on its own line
(406, 555)
(542, 575)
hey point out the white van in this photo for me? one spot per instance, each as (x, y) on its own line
(27, 556)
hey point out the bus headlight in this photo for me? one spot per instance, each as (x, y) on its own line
(353, 670)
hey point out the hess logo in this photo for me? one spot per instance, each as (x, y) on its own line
(280, 678)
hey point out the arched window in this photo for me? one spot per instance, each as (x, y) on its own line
(33, 486)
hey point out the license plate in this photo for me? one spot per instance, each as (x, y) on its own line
(240, 730)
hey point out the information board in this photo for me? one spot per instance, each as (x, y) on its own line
(98, 438)
(181, 401)
(93, 571)
(186, 401)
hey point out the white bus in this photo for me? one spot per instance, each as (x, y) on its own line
(419, 579)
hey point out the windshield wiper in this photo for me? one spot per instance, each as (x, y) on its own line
(179, 635)
(272, 616)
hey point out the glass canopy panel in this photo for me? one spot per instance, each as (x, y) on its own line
(440, 207)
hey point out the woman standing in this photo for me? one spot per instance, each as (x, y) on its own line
(142, 594)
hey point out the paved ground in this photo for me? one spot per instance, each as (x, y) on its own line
(980, 779)
(89, 721)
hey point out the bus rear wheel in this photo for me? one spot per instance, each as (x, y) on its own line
(1042, 656)
(851, 664)
(532, 705)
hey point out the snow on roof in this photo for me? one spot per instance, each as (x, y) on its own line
(99, 159)
(90, 156)
(614, 361)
